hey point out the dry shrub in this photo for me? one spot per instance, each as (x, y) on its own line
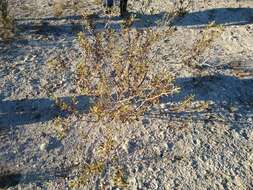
(119, 73)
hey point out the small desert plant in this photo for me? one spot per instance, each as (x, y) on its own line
(207, 37)
(105, 155)
(87, 172)
(181, 7)
(59, 7)
(6, 22)
(67, 106)
(55, 64)
(119, 179)
(118, 73)
(61, 127)
(145, 5)
(4, 8)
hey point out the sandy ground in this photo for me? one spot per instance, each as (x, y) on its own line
(192, 149)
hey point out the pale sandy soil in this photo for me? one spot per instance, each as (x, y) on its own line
(192, 149)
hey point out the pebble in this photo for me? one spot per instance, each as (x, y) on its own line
(43, 146)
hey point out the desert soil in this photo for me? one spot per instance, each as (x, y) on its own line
(194, 148)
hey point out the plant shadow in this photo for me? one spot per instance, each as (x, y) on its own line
(11, 179)
(53, 25)
(27, 111)
(195, 19)
(227, 95)
(61, 31)
(223, 90)
(220, 89)
(223, 16)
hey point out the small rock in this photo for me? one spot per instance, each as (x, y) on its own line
(43, 146)
(132, 146)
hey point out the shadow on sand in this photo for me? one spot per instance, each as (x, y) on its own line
(220, 89)
(27, 111)
(12, 179)
(55, 28)
(224, 16)
(196, 19)
(223, 91)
